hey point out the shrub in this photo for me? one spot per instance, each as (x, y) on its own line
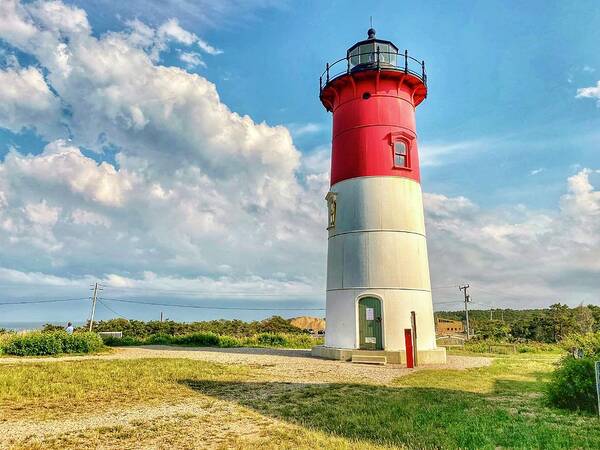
(207, 339)
(302, 341)
(198, 339)
(588, 342)
(36, 343)
(573, 385)
(85, 342)
(159, 339)
(39, 343)
(229, 341)
(124, 341)
(51, 327)
(271, 339)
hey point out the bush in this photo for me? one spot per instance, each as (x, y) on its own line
(124, 341)
(236, 328)
(271, 339)
(34, 344)
(573, 385)
(214, 340)
(159, 339)
(588, 342)
(229, 341)
(85, 342)
(51, 327)
(197, 339)
(39, 343)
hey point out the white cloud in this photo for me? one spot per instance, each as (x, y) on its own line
(301, 129)
(171, 30)
(436, 153)
(206, 47)
(201, 198)
(27, 102)
(589, 92)
(83, 217)
(195, 188)
(536, 171)
(517, 256)
(192, 59)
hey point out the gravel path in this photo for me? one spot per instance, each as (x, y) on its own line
(280, 364)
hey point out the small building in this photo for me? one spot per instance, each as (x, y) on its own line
(448, 326)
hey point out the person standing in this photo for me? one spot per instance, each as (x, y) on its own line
(69, 328)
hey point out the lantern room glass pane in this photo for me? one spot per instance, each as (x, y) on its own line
(384, 55)
(354, 57)
(366, 53)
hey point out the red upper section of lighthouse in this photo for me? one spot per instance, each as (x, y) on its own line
(373, 103)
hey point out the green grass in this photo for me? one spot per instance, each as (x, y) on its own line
(497, 406)
(57, 389)
(500, 406)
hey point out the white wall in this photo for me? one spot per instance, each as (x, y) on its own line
(342, 319)
(378, 246)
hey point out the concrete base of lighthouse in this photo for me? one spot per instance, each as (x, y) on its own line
(424, 357)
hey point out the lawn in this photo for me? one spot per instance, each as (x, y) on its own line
(179, 403)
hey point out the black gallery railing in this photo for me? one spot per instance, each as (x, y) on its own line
(354, 62)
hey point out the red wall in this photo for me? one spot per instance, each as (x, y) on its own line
(362, 127)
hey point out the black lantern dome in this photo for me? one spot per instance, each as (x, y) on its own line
(368, 53)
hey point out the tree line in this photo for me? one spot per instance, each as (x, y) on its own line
(549, 325)
(236, 328)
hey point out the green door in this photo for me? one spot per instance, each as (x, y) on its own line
(369, 324)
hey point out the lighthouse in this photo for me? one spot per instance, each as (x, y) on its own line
(379, 306)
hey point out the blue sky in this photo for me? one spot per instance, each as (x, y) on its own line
(509, 140)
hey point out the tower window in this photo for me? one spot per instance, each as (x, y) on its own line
(400, 154)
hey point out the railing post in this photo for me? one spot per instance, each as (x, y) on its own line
(348, 60)
(320, 84)
(328, 72)
(378, 56)
(423, 69)
(405, 61)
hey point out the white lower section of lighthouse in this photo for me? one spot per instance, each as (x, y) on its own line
(377, 267)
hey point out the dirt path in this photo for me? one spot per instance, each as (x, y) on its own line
(280, 364)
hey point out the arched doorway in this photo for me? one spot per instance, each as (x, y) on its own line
(370, 324)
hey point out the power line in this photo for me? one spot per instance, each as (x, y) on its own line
(26, 302)
(212, 293)
(177, 305)
(111, 310)
(44, 286)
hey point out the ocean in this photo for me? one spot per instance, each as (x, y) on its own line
(20, 326)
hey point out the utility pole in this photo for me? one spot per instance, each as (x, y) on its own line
(467, 300)
(161, 317)
(96, 288)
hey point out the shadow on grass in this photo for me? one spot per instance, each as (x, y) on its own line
(411, 417)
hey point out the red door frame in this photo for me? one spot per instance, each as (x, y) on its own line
(408, 343)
